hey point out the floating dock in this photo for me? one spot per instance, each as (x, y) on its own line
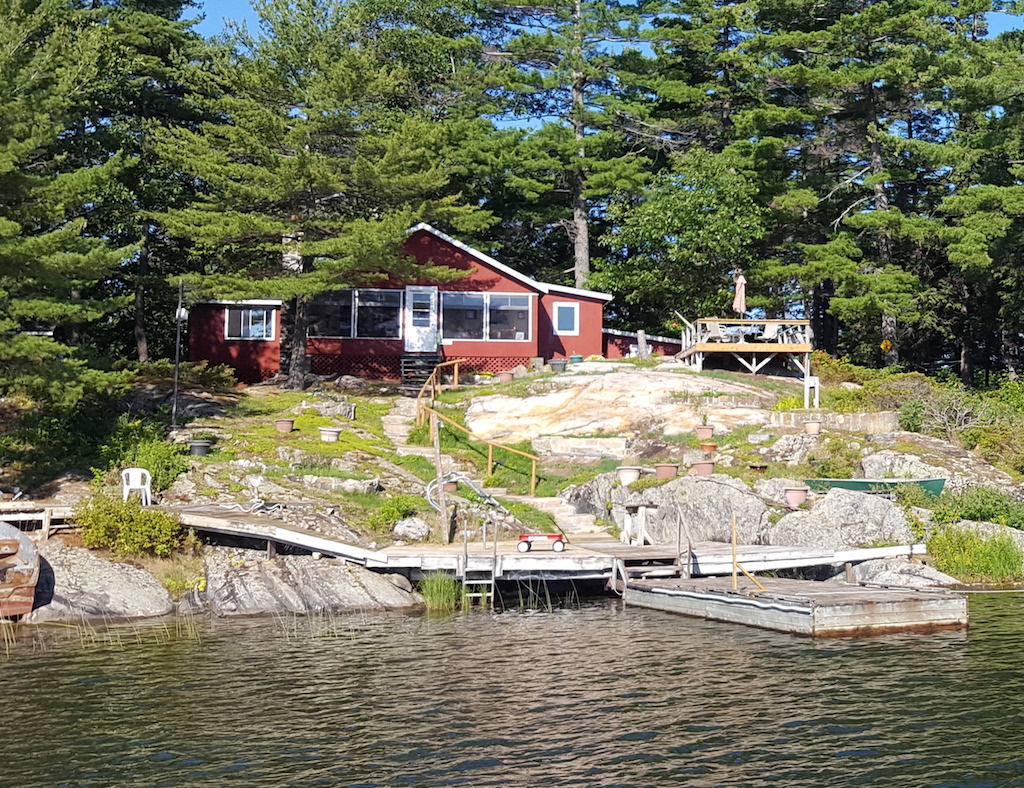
(804, 607)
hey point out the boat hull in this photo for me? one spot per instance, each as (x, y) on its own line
(931, 486)
(19, 572)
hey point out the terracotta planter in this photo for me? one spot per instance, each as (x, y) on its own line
(704, 431)
(330, 434)
(451, 486)
(812, 427)
(709, 447)
(557, 364)
(666, 470)
(627, 474)
(505, 377)
(199, 448)
(702, 468)
(795, 495)
(284, 425)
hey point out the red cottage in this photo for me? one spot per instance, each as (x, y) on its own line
(495, 317)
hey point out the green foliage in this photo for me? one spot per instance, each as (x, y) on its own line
(971, 557)
(418, 465)
(393, 509)
(834, 458)
(646, 482)
(911, 415)
(125, 528)
(141, 443)
(218, 379)
(790, 402)
(440, 591)
(981, 504)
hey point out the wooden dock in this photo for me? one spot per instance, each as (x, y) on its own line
(804, 607)
(649, 576)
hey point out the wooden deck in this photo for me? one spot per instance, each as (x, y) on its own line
(753, 343)
(803, 607)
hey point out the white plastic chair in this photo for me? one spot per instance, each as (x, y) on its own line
(139, 480)
(771, 331)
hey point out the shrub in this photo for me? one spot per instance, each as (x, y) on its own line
(393, 509)
(126, 529)
(137, 442)
(967, 555)
(981, 504)
(911, 415)
(789, 402)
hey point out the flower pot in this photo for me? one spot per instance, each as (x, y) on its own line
(627, 474)
(451, 486)
(704, 431)
(665, 470)
(702, 468)
(284, 425)
(330, 434)
(575, 358)
(812, 427)
(795, 495)
(505, 377)
(557, 364)
(759, 469)
(199, 448)
(708, 447)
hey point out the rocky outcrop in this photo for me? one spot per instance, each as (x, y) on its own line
(898, 572)
(616, 403)
(244, 583)
(75, 585)
(843, 519)
(692, 508)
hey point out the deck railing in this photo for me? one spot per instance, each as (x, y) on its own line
(433, 383)
(777, 331)
(491, 445)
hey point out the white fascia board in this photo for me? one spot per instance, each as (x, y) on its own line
(562, 289)
(248, 302)
(543, 287)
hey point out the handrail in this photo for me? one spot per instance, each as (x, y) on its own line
(434, 382)
(490, 446)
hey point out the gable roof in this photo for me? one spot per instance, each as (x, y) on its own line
(511, 273)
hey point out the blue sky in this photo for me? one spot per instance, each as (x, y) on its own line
(217, 11)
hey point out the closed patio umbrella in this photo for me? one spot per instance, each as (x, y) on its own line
(739, 302)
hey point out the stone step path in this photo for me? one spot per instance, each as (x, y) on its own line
(398, 423)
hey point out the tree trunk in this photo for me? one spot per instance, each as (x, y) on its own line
(1009, 352)
(141, 345)
(298, 361)
(580, 215)
(890, 349)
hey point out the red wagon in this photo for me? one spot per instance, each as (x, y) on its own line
(557, 541)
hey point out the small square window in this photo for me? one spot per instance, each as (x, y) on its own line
(566, 318)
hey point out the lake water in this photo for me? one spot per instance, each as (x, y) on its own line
(596, 695)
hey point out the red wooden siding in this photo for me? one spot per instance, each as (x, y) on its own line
(253, 359)
(616, 346)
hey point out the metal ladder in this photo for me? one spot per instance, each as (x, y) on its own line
(479, 576)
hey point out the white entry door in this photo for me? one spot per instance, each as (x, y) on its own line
(421, 325)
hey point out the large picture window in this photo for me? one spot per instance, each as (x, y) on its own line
(330, 315)
(509, 317)
(462, 315)
(247, 322)
(486, 316)
(363, 314)
(378, 314)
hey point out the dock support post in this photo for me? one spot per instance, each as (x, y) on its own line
(435, 432)
(735, 585)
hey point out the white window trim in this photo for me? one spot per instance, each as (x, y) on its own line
(250, 307)
(575, 306)
(530, 306)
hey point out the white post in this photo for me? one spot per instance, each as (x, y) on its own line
(812, 382)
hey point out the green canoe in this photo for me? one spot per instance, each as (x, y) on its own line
(930, 486)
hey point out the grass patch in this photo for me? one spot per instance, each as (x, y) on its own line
(981, 504)
(417, 465)
(440, 591)
(971, 557)
(646, 482)
(179, 573)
